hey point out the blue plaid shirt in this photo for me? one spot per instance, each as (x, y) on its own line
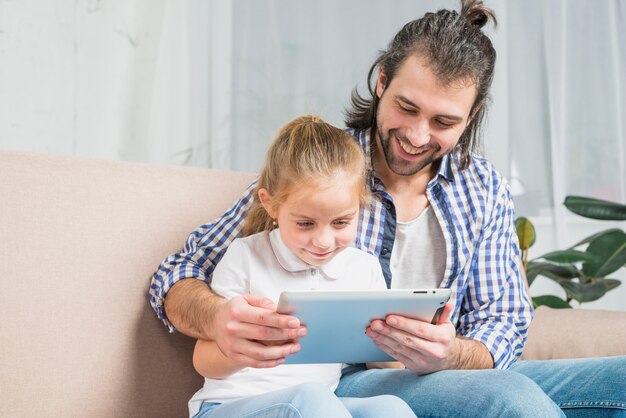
(475, 210)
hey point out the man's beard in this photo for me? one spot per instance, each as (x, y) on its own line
(403, 167)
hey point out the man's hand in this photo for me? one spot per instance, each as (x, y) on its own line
(249, 331)
(426, 348)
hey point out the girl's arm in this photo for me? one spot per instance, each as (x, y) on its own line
(210, 362)
(385, 365)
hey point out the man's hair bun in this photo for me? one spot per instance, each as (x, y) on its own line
(476, 13)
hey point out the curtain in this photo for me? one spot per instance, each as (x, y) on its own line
(209, 82)
(556, 116)
(566, 103)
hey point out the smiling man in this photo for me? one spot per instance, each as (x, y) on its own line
(442, 217)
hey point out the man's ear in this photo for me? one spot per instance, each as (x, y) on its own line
(381, 83)
(266, 200)
(474, 112)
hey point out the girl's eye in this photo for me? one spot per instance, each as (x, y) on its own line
(304, 224)
(341, 223)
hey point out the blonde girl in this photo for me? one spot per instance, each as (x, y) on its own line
(297, 235)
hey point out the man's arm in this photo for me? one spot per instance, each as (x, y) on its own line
(496, 309)
(197, 260)
(180, 295)
(190, 306)
(494, 314)
(245, 328)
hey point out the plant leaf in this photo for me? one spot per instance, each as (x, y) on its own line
(550, 301)
(611, 283)
(525, 232)
(550, 270)
(570, 256)
(589, 292)
(610, 250)
(595, 236)
(596, 208)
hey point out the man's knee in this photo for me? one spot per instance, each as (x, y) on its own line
(510, 394)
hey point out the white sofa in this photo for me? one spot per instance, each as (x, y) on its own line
(79, 240)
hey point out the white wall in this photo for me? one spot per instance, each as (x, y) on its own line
(96, 78)
(76, 77)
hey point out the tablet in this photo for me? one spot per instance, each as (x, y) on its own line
(336, 320)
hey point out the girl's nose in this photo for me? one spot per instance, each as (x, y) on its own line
(323, 239)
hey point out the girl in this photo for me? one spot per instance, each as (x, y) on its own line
(298, 235)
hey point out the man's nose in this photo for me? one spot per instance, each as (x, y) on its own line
(419, 134)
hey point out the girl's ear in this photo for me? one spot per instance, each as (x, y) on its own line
(266, 200)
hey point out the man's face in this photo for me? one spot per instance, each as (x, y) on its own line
(418, 119)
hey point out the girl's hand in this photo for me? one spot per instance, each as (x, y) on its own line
(385, 365)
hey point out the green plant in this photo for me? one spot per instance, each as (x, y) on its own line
(582, 269)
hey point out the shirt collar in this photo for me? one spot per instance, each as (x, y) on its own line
(290, 262)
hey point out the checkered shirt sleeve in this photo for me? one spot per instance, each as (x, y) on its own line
(201, 253)
(496, 309)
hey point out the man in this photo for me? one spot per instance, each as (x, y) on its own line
(442, 217)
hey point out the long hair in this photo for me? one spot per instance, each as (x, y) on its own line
(306, 150)
(454, 48)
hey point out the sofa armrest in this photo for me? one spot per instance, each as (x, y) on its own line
(573, 333)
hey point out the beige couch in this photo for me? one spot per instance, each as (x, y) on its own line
(79, 240)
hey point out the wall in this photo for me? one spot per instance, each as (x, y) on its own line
(96, 78)
(76, 77)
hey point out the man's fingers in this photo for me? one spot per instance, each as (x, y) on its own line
(260, 302)
(254, 335)
(247, 310)
(263, 333)
(414, 327)
(255, 354)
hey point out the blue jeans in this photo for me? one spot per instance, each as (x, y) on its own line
(553, 388)
(307, 400)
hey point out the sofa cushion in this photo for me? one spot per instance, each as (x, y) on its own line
(80, 239)
(573, 333)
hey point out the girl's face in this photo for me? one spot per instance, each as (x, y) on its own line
(316, 222)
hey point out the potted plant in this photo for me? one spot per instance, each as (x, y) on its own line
(582, 270)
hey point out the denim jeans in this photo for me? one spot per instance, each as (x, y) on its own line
(307, 400)
(551, 388)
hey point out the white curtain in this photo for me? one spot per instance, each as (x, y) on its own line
(566, 104)
(190, 107)
(556, 118)
(556, 122)
(209, 82)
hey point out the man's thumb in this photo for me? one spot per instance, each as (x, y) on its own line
(445, 313)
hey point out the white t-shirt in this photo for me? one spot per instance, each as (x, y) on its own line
(262, 265)
(418, 257)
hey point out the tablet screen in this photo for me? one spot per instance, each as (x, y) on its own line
(336, 320)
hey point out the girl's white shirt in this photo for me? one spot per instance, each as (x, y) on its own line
(261, 264)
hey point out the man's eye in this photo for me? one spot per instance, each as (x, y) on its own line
(407, 110)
